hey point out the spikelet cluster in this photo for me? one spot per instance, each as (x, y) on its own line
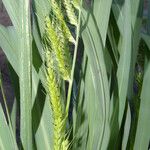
(57, 12)
(76, 4)
(56, 41)
(70, 12)
(60, 49)
(53, 89)
(65, 145)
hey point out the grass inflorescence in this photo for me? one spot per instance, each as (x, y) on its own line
(58, 63)
(60, 49)
(53, 90)
(57, 12)
(70, 12)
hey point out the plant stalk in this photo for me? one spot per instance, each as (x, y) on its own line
(73, 65)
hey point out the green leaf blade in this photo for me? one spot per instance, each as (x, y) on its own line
(142, 135)
(25, 74)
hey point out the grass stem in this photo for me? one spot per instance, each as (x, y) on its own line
(73, 65)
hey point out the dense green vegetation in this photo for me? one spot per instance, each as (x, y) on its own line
(81, 75)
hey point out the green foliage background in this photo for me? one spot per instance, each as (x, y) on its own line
(106, 111)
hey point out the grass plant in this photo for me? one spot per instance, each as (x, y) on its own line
(73, 66)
